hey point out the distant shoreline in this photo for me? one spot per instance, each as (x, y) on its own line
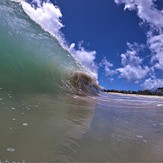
(135, 95)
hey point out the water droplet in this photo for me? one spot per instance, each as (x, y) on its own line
(139, 136)
(25, 124)
(145, 141)
(10, 149)
(159, 104)
(13, 108)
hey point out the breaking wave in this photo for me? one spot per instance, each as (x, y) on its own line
(33, 60)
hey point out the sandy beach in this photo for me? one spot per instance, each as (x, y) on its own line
(135, 95)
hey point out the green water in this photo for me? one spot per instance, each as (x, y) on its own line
(30, 58)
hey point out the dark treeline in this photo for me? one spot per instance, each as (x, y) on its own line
(158, 91)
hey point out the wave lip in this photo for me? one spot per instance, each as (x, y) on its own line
(83, 84)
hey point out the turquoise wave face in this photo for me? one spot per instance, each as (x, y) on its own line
(31, 59)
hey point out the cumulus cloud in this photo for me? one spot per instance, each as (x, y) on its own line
(155, 44)
(153, 83)
(130, 58)
(85, 57)
(133, 73)
(107, 67)
(151, 16)
(146, 10)
(132, 69)
(48, 16)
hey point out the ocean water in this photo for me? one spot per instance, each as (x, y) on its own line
(51, 110)
(105, 128)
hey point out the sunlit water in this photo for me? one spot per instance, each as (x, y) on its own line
(44, 128)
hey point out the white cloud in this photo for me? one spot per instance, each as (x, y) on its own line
(155, 44)
(146, 10)
(131, 62)
(153, 83)
(46, 15)
(107, 66)
(131, 69)
(151, 16)
(85, 57)
(37, 3)
(130, 57)
(133, 73)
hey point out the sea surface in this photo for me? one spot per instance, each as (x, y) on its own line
(52, 109)
(105, 128)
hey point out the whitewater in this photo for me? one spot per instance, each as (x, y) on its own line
(52, 108)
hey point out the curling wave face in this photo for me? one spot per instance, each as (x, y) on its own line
(32, 60)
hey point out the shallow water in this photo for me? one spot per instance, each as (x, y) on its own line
(107, 128)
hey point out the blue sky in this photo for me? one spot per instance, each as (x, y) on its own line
(122, 40)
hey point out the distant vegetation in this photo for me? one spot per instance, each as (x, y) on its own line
(157, 92)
